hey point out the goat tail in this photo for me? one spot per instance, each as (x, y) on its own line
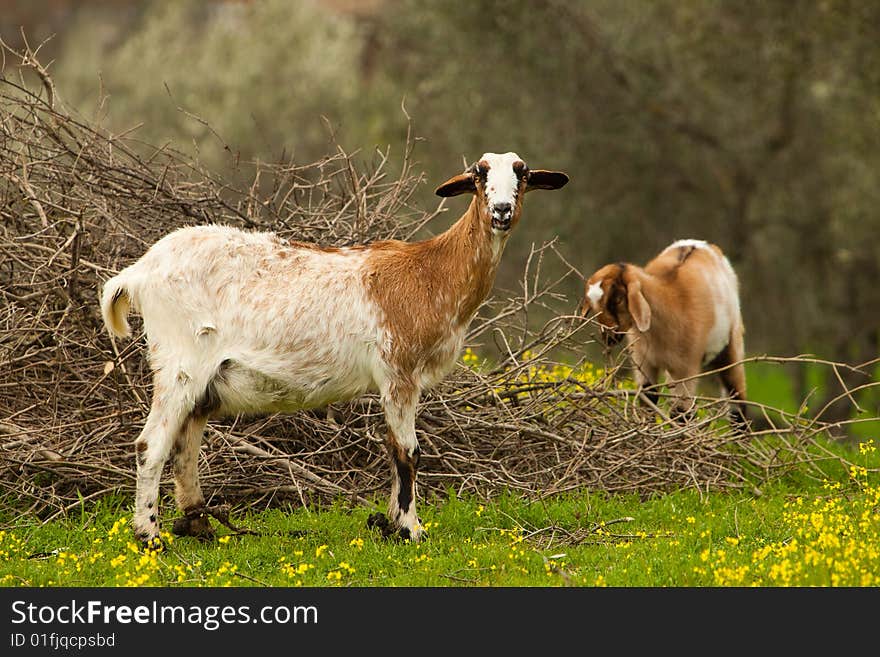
(115, 305)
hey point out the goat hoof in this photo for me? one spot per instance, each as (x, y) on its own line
(196, 525)
(742, 430)
(154, 544)
(380, 521)
(407, 534)
(740, 425)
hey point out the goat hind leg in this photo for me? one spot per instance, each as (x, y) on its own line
(187, 492)
(733, 382)
(738, 418)
(152, 448)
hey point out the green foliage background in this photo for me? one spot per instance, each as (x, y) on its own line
(753, 124)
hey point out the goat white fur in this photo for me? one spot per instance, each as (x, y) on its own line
(245, 322)
(681, 314)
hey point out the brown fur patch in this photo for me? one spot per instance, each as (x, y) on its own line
(445, 278)
(140, 451)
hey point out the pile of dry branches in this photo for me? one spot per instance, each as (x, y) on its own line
(78, 203)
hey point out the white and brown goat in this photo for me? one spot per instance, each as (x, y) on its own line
(680, 314)
(245, 322)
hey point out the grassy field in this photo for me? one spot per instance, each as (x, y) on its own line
(801, 531)
(806, 529)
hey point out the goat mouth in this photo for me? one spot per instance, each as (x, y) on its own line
(611, 337)
(499, 223)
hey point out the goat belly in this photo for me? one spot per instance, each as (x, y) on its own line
(238, 388)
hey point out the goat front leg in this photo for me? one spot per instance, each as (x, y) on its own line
(403, 454)
(685, 390)
(646, 377)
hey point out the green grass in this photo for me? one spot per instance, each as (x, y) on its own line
(799, 532)
(802, 530)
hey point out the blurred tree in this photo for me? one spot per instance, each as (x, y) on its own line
(754, 124)
(254, 77)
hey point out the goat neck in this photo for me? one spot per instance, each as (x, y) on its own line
(470, 252)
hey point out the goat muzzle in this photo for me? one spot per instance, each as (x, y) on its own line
(611, 337)
(502, 215)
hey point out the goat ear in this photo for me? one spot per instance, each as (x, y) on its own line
(543, 179)
(463, 183)
(638, 306)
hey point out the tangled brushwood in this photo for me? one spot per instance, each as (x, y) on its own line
(79, 203)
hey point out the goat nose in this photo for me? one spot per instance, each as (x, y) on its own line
(502, 208)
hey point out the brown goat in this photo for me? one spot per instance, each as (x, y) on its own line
(680, 314)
